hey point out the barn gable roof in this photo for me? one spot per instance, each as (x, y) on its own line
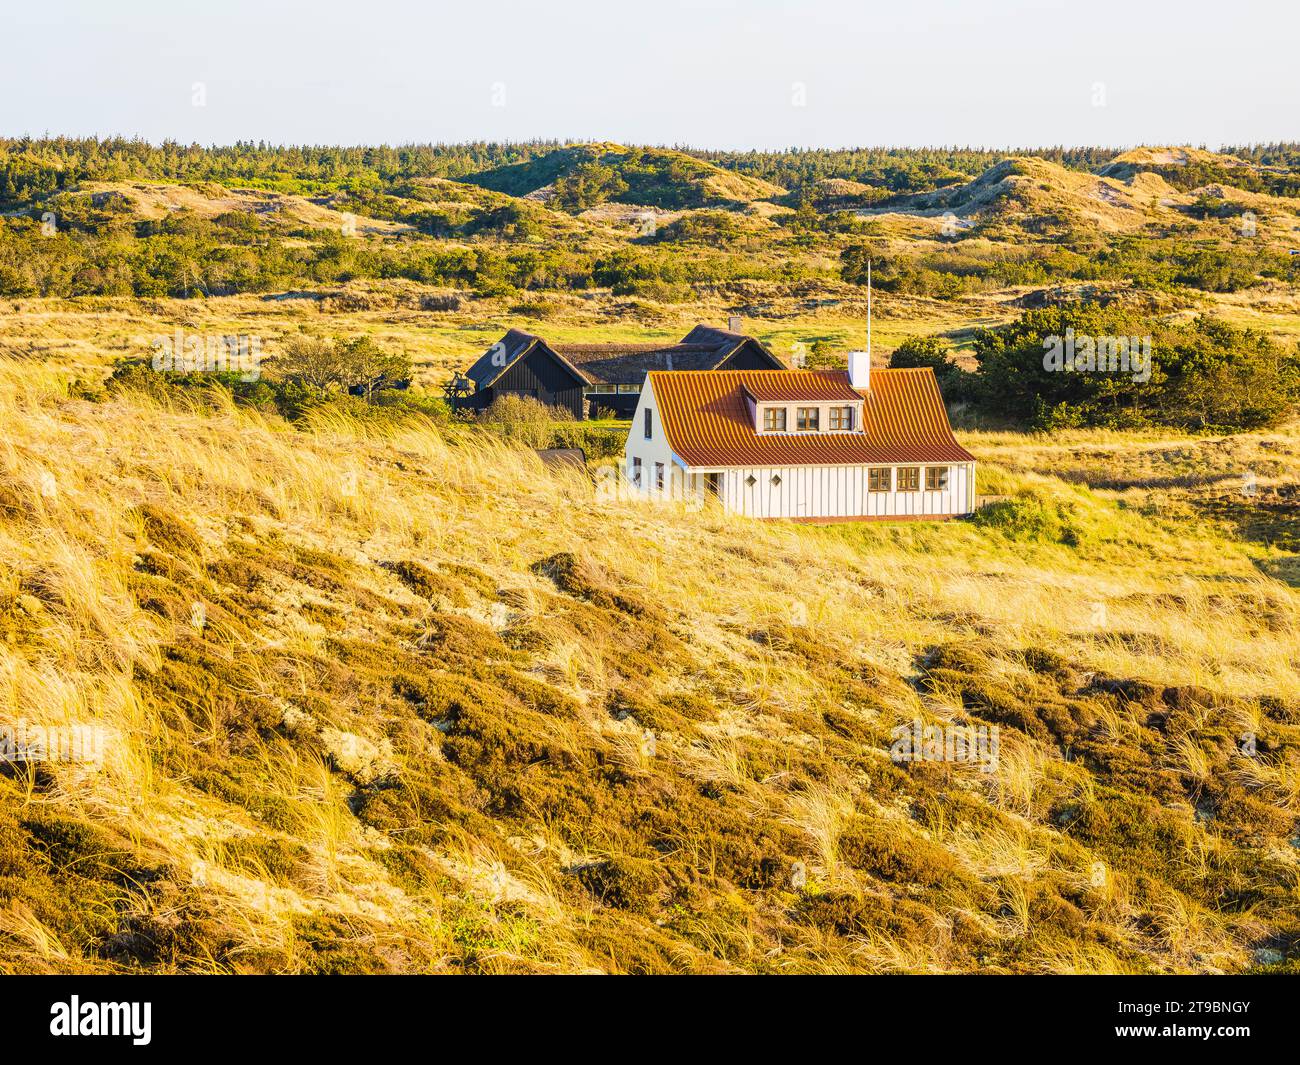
(707, 422)
(704, 348)
(713, 336)
(627, 364)
(510, 349)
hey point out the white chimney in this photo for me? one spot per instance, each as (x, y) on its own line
(860, 370)
(734, 324)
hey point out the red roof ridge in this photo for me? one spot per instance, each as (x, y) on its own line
(816, 370)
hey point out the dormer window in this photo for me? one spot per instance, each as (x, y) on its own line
(841, 418)
(774, 419)
(807, 420)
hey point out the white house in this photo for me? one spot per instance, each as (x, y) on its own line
(810, 445)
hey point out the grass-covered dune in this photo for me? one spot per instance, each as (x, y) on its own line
(391, 702)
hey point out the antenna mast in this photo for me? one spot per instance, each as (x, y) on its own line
(868, 312)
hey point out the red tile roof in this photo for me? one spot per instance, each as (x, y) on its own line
(707, 422)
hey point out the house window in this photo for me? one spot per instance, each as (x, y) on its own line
(774, 420)
(659, 476)
(936, 478)
(751, 480)
(649, 423)
(776, 480)
(909, 478)
(636, 471)
(841, 417)
(806, 419)
(880, 479)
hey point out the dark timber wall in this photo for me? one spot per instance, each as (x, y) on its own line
(623, 404)
(749, 356)
(541, 377)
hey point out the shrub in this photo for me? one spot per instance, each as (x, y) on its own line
(357, 365)
(627, 883)
(934, 353)
(448, 301)
(1206, 374)
(522, 417)
(1027, 519)
(892, 853)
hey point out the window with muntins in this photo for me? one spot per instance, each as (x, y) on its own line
(774, 420)
(936, 478)
(880, 480)
(909, 478)
(841, 417)
(807, 419)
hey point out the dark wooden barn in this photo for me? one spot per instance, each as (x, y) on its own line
(593, 379)
(520, 364)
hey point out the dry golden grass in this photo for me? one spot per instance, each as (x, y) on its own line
(287, 875)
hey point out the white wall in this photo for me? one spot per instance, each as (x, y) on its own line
(840, 492)
(650, 451)
(804, 491)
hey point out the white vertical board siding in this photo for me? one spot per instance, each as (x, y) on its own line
(804, 491)
(839, 492)
(650, 451)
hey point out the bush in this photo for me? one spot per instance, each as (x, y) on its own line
(713, 228)
(523, 420)
(292, 395)
(588, 185)
(441, 302)
(1027, 520)
(889, 852)
(357, 365)
(934, 353)
(1202, 375)
(626, 883)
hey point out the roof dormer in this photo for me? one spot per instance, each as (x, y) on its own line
(799, 403)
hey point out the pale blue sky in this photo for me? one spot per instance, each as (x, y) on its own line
(715, 73)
